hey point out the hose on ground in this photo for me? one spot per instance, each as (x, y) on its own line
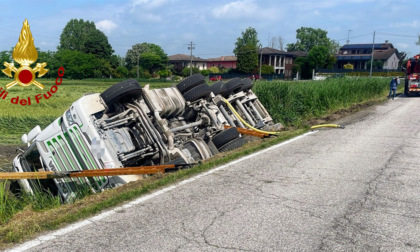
(245, 123)
(327, 125)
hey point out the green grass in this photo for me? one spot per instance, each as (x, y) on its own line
(293, 103)
(16, 120)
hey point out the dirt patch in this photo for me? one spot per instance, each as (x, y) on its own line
(7, 153)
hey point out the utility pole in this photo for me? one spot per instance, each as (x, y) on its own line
(371, 58)
(348, 36)
(191, 47)
(260, 59)
(138, 66)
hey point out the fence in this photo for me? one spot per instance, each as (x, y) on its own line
(357, 70)
(268, 77)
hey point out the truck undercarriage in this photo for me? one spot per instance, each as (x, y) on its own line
(130, 126)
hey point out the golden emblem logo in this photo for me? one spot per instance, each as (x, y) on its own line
(25, 54)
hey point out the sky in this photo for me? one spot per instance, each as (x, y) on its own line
(214, 26)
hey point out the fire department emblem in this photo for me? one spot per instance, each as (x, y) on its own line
(25, 54)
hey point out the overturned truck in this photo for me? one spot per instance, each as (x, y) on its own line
(130, 126)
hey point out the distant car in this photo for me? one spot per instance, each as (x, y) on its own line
(216, 78)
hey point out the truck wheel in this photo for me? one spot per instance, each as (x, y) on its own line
(190, 82)
(232, 86)
(122, 91)
(197, 92)
(225, 136)
(213, 148)
(247, 84)
(217, 87)
(234, 144)
(406, 87)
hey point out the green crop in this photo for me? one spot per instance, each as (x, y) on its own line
(291, 103)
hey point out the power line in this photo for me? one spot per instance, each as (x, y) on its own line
(398, 35)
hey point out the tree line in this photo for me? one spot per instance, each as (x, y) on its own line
(84, 51)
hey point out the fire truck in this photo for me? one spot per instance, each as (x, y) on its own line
(412, 77)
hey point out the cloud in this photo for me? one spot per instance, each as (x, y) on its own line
(148, 4)
(149, 17)
(236, 10)
(412, 24)
(107, 26)
(404, 46)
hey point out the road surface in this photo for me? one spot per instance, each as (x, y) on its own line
(352, 189)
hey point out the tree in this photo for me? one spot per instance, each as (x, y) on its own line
(82, 36)
(186, 71)
(205, 72)
(214, 69)
(6, 56)
(249, 38)
(377, 64)
(164, 73)
(302, 65)
(121, 72)
(318, 57)
(246, 50)
(276, 43)
(247, 59)
(267, 69)
(78, 65)
(150, 57)
(307, 38)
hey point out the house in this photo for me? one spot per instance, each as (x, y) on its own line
(359, 54)
(222, 62)
(281, 61)
(180, 61)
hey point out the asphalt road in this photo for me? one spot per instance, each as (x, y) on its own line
(352, 189)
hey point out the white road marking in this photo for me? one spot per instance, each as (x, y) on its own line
(80, 224)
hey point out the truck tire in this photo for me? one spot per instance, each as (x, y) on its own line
(406, 92)
(190, 82)
(198, 92)
(217, 87)
(234, 144)
(213, 148)
(232, 86)
(225, 136)
(247, 84)
(122, 91)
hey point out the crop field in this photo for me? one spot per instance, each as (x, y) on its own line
(16, 120)
(293, 103)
